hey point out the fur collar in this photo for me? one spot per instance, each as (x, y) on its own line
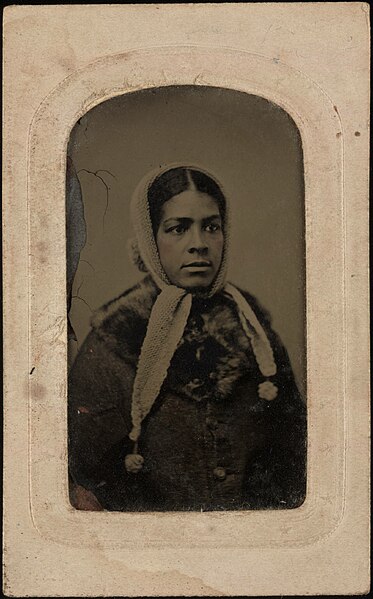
(213, 355)
(122, 322)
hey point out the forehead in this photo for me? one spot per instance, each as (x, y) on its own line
(190, 204)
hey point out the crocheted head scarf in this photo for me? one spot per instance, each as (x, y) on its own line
(171, 309)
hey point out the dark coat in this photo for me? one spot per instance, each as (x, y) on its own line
(210, 442)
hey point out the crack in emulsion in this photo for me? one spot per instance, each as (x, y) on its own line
(107, 187)
(79, 297)
(82, 300)
(99, 174)
(86, 262)
(80, 286)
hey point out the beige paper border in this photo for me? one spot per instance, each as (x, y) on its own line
(292, 551)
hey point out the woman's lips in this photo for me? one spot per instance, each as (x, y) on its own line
(200, 264)
(197, 267)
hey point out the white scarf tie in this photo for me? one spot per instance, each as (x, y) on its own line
(170, 313)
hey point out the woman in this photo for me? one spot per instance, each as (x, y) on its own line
(182, 396)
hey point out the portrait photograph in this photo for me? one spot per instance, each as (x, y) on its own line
(186, 347)
(182, 395)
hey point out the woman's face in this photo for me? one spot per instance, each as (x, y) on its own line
(190, 239)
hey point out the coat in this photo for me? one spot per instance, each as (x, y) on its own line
(210, 442)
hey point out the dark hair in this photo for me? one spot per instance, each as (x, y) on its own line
(175, 181)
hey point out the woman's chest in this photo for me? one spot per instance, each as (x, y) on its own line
(201, 450)
(212, 357)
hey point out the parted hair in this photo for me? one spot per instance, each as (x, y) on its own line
(175, 181)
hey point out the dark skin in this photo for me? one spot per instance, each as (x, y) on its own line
(190, 239)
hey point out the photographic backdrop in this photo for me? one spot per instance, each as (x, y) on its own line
(251, 145)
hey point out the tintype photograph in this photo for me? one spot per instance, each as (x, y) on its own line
(186, 304)
(186, 318)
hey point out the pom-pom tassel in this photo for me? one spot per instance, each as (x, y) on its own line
(134, 461)
(267, 390)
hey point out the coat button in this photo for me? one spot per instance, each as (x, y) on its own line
(219, 473)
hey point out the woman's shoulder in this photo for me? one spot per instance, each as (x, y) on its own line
(121, 323)
(135, 302)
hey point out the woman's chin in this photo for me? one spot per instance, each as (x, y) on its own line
(195, 280)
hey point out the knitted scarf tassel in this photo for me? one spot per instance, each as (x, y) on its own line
(165, 329)
(259, 341)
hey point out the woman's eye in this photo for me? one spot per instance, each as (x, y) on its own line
(177, 229)
(213, 227)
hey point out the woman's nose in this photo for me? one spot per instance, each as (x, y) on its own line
(197, 241)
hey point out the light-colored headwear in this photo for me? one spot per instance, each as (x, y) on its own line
(171, 309)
